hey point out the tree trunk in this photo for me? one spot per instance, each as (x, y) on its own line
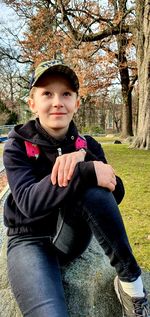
(142, 140)
(126, 129)
(126, 123)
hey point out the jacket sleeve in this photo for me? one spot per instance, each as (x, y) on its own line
(36, 198)
(96, 152)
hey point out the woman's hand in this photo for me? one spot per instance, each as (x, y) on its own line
(105, 175)
(64, 167)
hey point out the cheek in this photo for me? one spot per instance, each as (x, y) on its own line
(73, 106)
(43, 108)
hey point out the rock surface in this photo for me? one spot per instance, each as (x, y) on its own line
(88, 283)
(8, 307)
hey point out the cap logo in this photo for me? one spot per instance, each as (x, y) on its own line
(51, 63)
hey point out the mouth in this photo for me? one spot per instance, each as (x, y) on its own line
(57, 113)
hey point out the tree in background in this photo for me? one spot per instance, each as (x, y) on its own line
(142, 139)
(89, 31)
(10, 90)
(12, 82)
(92, 38)
(4, 113)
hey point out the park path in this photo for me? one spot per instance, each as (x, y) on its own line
(1, 155)
(2, 227)
(1, 163)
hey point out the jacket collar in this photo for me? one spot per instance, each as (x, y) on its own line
(70, 137)
(34, 133)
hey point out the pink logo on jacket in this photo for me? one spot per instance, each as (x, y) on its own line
(32, 149)
(80, 143)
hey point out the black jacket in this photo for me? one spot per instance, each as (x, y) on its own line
(33, 204)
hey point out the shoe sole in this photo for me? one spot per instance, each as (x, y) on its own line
(118, 294)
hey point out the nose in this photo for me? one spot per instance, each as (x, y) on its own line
(57, 101)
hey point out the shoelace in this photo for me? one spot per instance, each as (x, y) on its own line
(141, 307)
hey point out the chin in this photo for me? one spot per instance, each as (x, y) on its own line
(58, 126)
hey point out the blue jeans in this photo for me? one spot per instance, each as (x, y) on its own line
(34, 263)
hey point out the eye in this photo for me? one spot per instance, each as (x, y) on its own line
(67, 93)
(47, 93)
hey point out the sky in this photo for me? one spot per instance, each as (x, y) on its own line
(7, 14)
(9, 20)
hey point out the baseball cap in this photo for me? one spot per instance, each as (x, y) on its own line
(54, 66)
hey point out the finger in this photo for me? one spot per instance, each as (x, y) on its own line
(114, 180)
(60, 176)
(54, 172)
(70, 166)
(76, 159)
(66, 170)
(111, 187)
(71, 170)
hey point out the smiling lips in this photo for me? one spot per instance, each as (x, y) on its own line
(57, 113)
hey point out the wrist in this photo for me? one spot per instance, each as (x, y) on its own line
(82, 150)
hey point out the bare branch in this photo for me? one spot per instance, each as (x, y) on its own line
(66, 20)
(92, 37)
(95, 17)
(5, 53)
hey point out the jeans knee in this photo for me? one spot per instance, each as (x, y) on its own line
(99, 196)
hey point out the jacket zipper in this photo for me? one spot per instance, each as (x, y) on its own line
(59, 151)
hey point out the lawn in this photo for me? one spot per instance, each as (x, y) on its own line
(133, 166)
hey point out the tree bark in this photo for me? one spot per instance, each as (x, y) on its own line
(142, 140)
(125, 87)
(120, 6)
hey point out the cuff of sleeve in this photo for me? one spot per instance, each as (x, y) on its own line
(87, 172)
(119, 191)
(90, 156)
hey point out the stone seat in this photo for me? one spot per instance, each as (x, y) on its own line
(88, 284)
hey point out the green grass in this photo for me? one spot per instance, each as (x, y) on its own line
(109, 138)
(133, 166)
